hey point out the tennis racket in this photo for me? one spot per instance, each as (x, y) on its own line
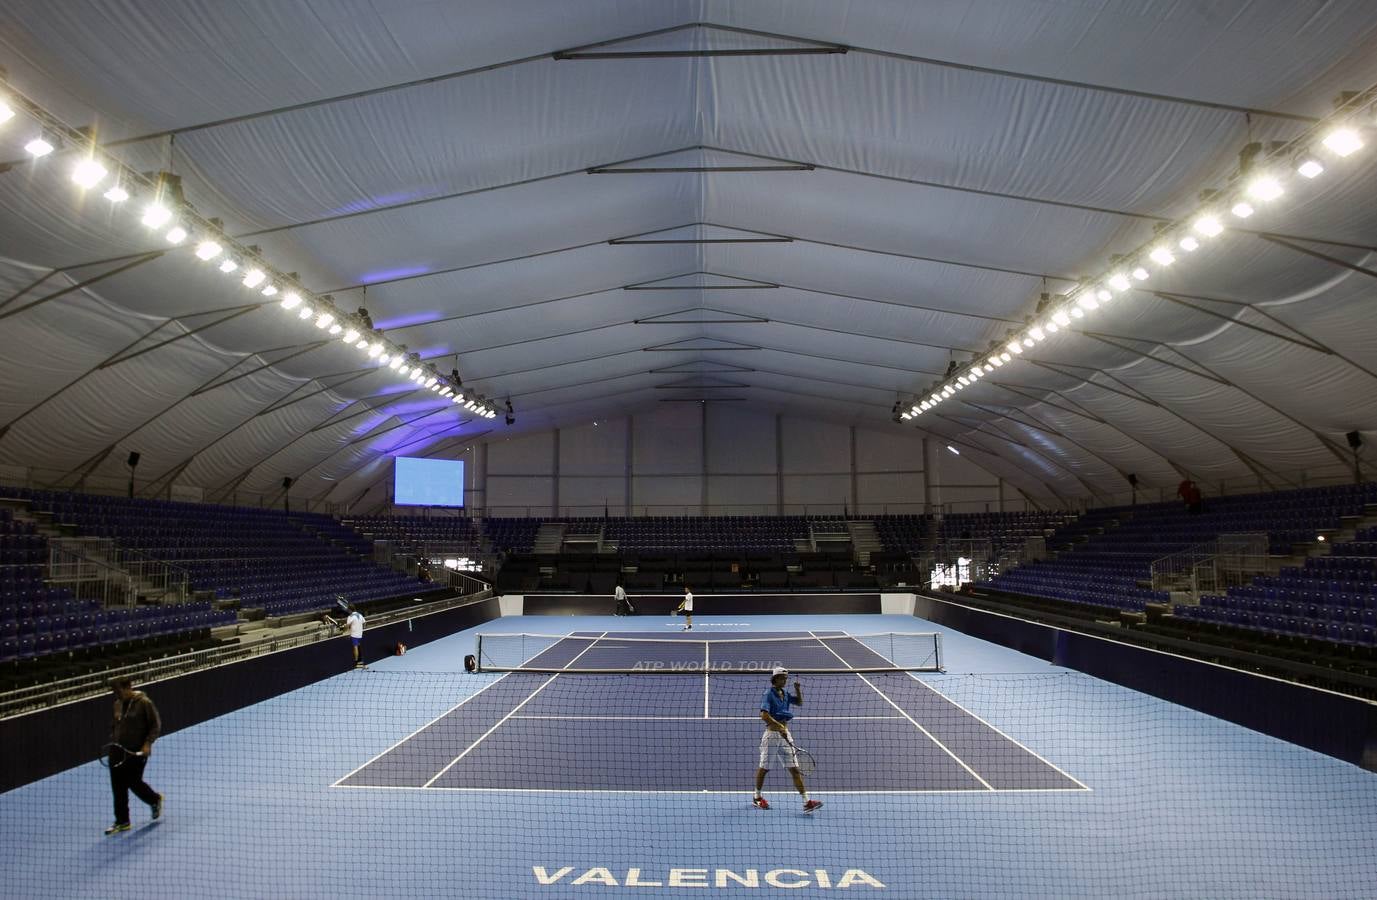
(112, 756)
(329, 621)
(806, 762)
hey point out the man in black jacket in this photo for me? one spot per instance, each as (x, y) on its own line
(137, 726)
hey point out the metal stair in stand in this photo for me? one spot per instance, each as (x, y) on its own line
(864, 539)
(550, 538)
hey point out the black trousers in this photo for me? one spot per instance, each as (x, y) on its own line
(127, 777)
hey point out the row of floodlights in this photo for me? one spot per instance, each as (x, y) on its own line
(159, 214)
(1261, 188)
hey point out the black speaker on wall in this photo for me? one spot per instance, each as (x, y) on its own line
(133, 459)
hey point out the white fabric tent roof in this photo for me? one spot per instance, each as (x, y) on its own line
(430, 161)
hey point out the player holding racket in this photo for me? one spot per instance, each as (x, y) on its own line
(137, 726)
(776, 743)
(686, 607)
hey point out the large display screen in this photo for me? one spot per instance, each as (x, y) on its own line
(428, 482)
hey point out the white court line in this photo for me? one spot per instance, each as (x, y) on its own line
(545, 684)
(1020, 744)
(945, 748)
(707, 645)
(713, 719)
(418, 731)
(974, 792)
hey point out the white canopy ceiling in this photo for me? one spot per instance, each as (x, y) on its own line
(833, 227)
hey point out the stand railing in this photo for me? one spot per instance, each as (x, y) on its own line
(85, 568)
(51, 693)
(156, 578)
(1230, 560)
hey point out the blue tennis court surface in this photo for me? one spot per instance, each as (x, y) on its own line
(417, 779)
(915, 739)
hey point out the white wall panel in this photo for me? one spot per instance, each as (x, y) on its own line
(881, 451)
(889, 492)
(586, 495)
(666, 495)
(740, 440)
(521, 455)
(830, 491)
(742, 495)
(511, 495)
(668, 441)
(593, 449)
(812, 446)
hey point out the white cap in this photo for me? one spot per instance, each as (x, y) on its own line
(779, 670)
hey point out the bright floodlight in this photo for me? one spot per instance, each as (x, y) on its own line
(953, 450)
(116, 194)
(1004, 357)
(1189, 244)
(1119, 281)
(1309, 166)
(1140, 273)
(963, 380)
(1243, 209)
(1208, 226)
(254, 277)
(291, 300)
(1061, 318)
(1265, 188)
(208, 250)
(1103, 295)
(384, 359)
(38, 147)
(1087, 301)
(362, 343)
(336, 328)
(375, 349)
(306, 312)
(350, 336)
(905, 416)
(996, 361)
(1162, 256)
(176, 234)
(396, 362)
(1036, 334)
(155, 215)
(431, 381)
(324, 320)
(1343, 141)
(269, 290)
(1015, 347)
(228, 264)
(1076, 313)
(88, 173)
(6, 112)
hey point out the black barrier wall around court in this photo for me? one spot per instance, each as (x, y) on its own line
(61, 737)
(1334, 724)
(705, 604)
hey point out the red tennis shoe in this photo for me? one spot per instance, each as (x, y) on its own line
(761, 803)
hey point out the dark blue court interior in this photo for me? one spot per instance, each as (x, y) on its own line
(881, 732)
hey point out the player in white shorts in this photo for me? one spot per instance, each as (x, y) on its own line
(775, 744)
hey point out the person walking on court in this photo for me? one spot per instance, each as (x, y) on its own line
(776, 743)
(137, 725)
(686, 607)
(355, 626)
(623, 606)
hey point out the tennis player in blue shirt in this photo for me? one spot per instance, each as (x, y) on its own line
(775, 743)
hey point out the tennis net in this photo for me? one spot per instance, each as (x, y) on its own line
(594, 653)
